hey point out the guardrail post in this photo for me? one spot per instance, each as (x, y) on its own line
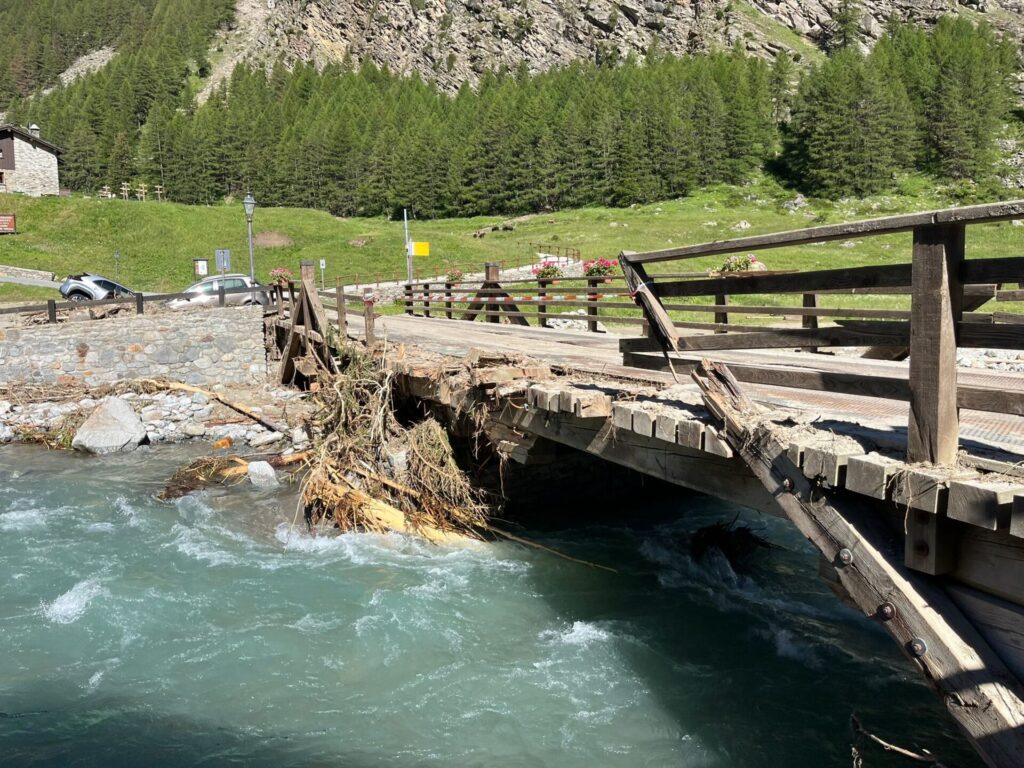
(426, 299)
(448, 300)
(592, 304)
(368, 317)
(51, 311)
(221, 298)
(492, 273)
(722, 318)
(810, 322)
(935, 311)
(140, 302)
(542, 308)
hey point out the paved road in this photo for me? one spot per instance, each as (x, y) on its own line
(30, 282)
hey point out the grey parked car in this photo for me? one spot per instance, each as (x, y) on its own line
(87, 287)
(205, 293)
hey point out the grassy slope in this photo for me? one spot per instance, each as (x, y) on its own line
(157, 241)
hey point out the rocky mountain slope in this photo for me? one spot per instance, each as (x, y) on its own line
(451, 41)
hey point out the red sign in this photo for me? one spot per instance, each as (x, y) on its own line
(8, 225)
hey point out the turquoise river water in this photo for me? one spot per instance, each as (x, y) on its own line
(209, 632)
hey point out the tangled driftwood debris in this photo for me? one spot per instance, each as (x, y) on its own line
(366, 465)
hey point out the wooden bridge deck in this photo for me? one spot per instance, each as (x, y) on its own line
(988, 435)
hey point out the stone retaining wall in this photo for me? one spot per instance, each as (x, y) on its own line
(32, 274)
(201, 347)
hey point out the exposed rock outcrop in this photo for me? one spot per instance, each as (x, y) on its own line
(451, 41)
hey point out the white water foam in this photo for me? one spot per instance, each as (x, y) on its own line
(70, 606)
(131, 514)
(581, 633)
(25, 519)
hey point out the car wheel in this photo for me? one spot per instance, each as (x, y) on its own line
(77, 297)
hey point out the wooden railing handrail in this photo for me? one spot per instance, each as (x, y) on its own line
(972, 214)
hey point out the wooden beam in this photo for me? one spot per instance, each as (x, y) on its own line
(889, 275)
(979, 691)
(639, 284)
(715, 475)
(889, 225)
(890, 387)
(937, 304)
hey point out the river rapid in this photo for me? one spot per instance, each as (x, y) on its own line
(211, 632)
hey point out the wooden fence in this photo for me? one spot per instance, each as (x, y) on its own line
(520, 301)
(138, 301)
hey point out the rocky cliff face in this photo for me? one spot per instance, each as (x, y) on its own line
(451, 41)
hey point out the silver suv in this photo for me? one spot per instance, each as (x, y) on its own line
(205, 293)
(87, 287)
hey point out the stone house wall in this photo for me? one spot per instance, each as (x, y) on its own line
(35, 170)
(200, 347)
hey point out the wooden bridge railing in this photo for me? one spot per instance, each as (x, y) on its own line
(944, 289)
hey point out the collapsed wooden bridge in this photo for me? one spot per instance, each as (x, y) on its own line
(906, 476)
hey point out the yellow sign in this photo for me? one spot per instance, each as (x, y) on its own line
(421, 249)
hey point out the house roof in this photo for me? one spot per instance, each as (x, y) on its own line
(23, 133)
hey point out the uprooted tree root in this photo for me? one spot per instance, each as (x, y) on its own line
(367, 468)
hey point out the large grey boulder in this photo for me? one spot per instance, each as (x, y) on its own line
(111, 428)
(262, 475)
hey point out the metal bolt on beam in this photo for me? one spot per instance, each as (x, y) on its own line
(886, 611)
(845, 556)
(918, 647)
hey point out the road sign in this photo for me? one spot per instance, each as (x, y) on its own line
(421, 249)
(202, 267)
(8, 224)
(323, 264)
(223, 259)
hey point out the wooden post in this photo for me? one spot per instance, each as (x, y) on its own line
(221, 298)
(936, 309)
(371, 338)
(448, 300)
(308, 273)
(426, 299)
(408, 299)
(140, 302)
(810, 321)
(492, 272)
(592, 304)
(291, 298)
(722, 317)
(51, 311)
(339, 299)
(542, 283)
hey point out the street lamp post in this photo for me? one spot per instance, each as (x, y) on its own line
(250, 207)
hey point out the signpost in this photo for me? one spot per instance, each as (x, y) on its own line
(412, 248)
(223, 256)
(201, 267)
(323, 266)
(8, 224)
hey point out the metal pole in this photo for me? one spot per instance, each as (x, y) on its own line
(408, 249)
(252, 258)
